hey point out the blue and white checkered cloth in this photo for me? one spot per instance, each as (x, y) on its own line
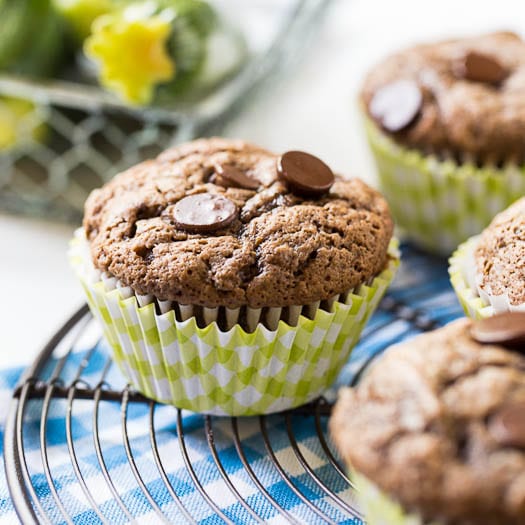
(422, 283)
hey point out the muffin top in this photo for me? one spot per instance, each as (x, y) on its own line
(219, 222)
(500, 255)
(439, 423)
(461, 98)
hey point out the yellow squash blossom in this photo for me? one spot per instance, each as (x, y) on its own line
(132, 54)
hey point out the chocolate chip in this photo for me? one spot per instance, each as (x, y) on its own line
(507, 329)
(204, 212)
(479, 67)
(304, 173)
(507, 426)
(231, 177)
(396, 106)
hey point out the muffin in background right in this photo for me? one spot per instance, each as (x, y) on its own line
(488, 270)
(434, 433)
(446, 125)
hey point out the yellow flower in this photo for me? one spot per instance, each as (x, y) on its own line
(132, 54)
(20, 123)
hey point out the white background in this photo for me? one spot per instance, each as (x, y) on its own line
(313, 110)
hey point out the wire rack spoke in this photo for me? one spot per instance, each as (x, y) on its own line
(222, 471)
(253, 476)
(311, 472)
(286, 478)
(44, 454)
(160, 466)
(73, 455)
(326, 449)
(98, 447)
(131, 459)
(19, 453)
(192, 473)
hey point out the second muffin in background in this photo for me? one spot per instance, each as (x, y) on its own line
(446, 123)
(488, 271)
(230, 280)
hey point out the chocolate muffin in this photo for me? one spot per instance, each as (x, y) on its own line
(488, 271)
(446, 123)
(236, 246)
(214, 224)
(435, 432)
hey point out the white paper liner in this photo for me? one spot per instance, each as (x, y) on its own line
(494, 304)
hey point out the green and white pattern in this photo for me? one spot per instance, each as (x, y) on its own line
(473, 305)
(229, 373)
(476, 302)
(438, 203)
(379, 508)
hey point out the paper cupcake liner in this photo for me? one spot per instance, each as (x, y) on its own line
(226, 372)
(476, 302)
(379, 508)
(440, 203)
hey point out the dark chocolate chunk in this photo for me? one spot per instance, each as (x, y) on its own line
(507, 426)
(507, 329)
(305, 174)
(396, 106)
(479, 67)
(231, 177)
(204, 212)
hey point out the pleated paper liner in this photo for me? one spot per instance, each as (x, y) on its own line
(379, 508)
(203, 360)
(437, 202)
(476, 302)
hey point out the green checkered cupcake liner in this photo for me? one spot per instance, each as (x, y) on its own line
(476, 302)
(379, 508)
(167, 356)
(440, 203)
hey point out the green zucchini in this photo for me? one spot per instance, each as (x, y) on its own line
(31, 34)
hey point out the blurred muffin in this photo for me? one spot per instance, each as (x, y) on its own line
(435, 432)
(488, 271)
(230, 280)
(446, 124)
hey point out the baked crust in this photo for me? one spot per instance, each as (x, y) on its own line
(282, 249)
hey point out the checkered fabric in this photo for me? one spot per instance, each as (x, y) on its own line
(439, 204)
(422, 282)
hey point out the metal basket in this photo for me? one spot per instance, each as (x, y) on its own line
(52, 390)
(76, 136)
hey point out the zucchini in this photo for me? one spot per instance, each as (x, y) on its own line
(30, 34)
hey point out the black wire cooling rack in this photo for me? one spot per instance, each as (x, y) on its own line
(46, 382)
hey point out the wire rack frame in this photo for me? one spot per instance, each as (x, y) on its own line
(32, 387)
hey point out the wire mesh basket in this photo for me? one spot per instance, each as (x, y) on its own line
(82, 447)
(74, 137)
